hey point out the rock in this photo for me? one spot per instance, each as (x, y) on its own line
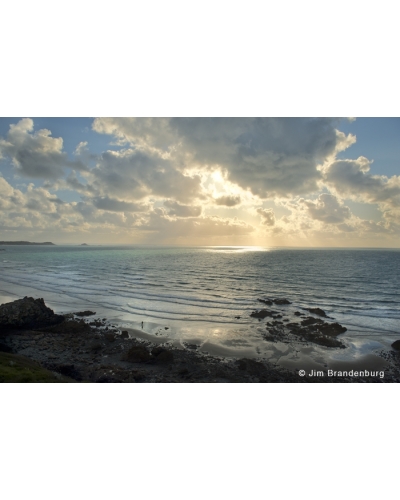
(96, 323)
(265, 301)
(332, 329)
(137, 354)
(109, 336)
(396, 345)
(311, 321)
(74, 327)
(69, 371)
(28, 313)
(84, 313)
(318, 311)
(5, 348)
(252, 367)
(280, 302)
(96, 347)
(162, 355)
(125, 335)
(262, 314)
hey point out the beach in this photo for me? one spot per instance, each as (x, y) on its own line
(83, 347)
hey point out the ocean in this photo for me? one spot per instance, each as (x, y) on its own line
(202, 297)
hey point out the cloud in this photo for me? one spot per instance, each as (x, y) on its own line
(137, 174)
(351, 179)
(327, 208)
(228, 200)
(114, 205)
(169, 176)
(267, 216)
(178, 210)
(36, 155)
(269, 156)
(203, 228)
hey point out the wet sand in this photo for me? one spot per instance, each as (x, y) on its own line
(100, 345)
(91, 349)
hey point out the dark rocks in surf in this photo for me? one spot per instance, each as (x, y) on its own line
(281, 302)
(84, 313)
(317, 331)
(318, 311)
(396, 345)
(266, 301)
(263, 313)
(27, 313)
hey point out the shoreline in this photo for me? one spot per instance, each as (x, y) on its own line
(87, 348)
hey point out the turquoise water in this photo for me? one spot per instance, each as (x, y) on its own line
(199, 292)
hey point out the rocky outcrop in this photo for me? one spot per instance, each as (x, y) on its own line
(137, 354)
(84, 313)
(280, 302)
(266, 301)
(162, 355)
(264, 313)
(27, 313)
(396, 345)
(67, 326)
(318, 311)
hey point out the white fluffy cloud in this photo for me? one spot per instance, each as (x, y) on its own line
(327, 208)
(36, 155)
(352, 179)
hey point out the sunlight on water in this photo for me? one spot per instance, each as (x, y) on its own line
(236, 249)
(206, 295)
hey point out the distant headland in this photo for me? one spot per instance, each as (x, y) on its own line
(24, 243)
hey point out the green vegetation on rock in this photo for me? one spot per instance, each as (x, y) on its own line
(14, 368)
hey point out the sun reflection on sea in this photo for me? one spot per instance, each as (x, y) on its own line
(236, 249)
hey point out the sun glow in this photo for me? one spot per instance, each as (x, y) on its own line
(236, 249)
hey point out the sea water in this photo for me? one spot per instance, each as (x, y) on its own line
(205, 295)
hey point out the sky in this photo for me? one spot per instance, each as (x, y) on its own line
(298, 182)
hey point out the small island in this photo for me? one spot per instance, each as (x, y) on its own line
(25, 243)
(84, 245)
